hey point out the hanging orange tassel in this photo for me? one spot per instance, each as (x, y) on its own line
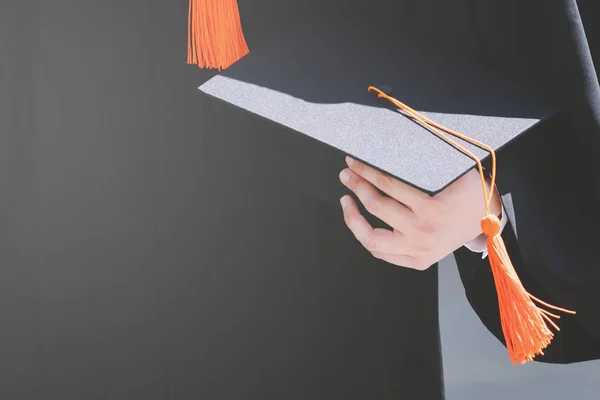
(215, 36)
(523, 322)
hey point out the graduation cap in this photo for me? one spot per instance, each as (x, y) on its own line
(418, 112)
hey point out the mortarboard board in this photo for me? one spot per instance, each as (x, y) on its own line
(406, 106)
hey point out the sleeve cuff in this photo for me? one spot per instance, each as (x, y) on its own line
(478, 245)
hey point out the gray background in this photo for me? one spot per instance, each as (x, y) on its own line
(476, 366)
(98, 107)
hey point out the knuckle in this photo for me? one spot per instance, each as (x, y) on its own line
(350, 220)
(347, 216)
(372, 206)
(422, 235)
(357, 166)
(425, 229)
(421, 248)
(383, 182)
(419, 204)
(357, 186)
(420, 264)
(371, 244)
(351, 183)
(431, 208)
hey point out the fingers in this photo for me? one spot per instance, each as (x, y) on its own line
(402, 192)
(383, 244)
(385, 208)
(405, 246)
(380, 241)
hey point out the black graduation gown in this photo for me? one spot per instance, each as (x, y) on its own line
(548, 181)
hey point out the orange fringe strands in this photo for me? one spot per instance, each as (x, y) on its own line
(215, 36)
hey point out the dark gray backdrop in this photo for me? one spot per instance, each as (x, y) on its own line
(101, 175)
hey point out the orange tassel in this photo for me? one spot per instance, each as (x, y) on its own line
(523, 323)
(215, 36)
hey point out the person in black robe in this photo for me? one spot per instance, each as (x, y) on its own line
(546, 182)
(550, 181)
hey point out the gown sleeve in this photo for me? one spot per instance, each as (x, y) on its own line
(550, 179)
(552, 237)
(579, 338)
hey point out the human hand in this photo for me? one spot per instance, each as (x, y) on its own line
(425, 229)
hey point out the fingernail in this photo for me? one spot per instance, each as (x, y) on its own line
(344, 202)
(349, 161)
(344, 176)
